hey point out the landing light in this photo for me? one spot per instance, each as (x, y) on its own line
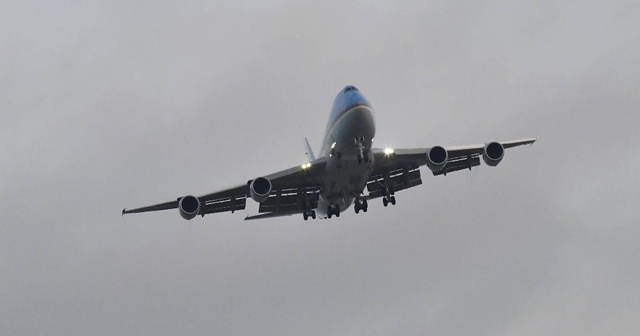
(388, 151)
(333, 145)
(306, 165)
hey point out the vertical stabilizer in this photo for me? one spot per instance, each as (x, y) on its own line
(309, 152)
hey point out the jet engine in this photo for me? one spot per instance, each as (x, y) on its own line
(493, 153)
(260, 189)
(189, 207)
(437, 158)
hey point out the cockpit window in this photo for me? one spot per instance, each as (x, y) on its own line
(350, 88)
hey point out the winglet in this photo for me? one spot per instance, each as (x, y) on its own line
(309, 152)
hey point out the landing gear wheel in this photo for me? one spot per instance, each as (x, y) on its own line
(333, 210)
(361, 205)
(393, 200)
(385, 201)
(305, 216)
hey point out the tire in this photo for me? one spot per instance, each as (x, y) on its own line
(385, 201)
(305, 216)
(313, 214)
(393, 200)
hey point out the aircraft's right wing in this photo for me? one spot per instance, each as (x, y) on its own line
(399, 169)
(288, 189)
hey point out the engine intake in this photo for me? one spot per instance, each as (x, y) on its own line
(437, 158)
(189, 207)
(493, 153)
(260, 189)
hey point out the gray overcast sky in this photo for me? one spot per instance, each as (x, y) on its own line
(107, 104)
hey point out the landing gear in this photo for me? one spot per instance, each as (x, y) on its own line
(361, 205)
(362, 155)
(389, 199)
(333, 209)
(306, 203)
(309, 214)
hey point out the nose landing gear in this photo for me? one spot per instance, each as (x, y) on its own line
(362, 155)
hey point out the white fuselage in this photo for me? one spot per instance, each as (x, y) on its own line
(349, 134)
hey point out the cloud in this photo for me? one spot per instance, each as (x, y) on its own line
(113, 104)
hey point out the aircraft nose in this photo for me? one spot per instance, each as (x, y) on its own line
(355, 98)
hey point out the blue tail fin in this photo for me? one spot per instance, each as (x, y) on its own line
(309, 152)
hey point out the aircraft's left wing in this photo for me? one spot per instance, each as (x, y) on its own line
(398, 169)
(292, 191)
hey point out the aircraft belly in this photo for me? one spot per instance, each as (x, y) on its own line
(345, 177)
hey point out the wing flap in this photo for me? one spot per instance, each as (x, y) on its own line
(229, 204)
(404, 180)
(457, 165)
(271, 215)
(291, 200)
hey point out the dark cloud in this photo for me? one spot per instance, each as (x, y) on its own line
(113, 104)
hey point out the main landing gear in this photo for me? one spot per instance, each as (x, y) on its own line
(389, 200)
(308, 214)
(333, 209)
(361, 205)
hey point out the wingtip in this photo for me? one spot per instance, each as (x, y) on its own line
(123, 210)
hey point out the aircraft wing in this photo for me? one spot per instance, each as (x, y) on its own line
(399, 169)
(289, 186)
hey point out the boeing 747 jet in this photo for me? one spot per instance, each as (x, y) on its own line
(348, 171)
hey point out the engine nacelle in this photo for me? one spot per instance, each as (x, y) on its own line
(437, 158)
(493, 153)
(260, 189)
(189, 207)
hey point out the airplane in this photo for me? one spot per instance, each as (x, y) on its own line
(347, 165)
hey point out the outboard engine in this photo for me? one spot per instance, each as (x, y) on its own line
(260, 189)
(493, 153)
(437, 158)
(189, 207)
